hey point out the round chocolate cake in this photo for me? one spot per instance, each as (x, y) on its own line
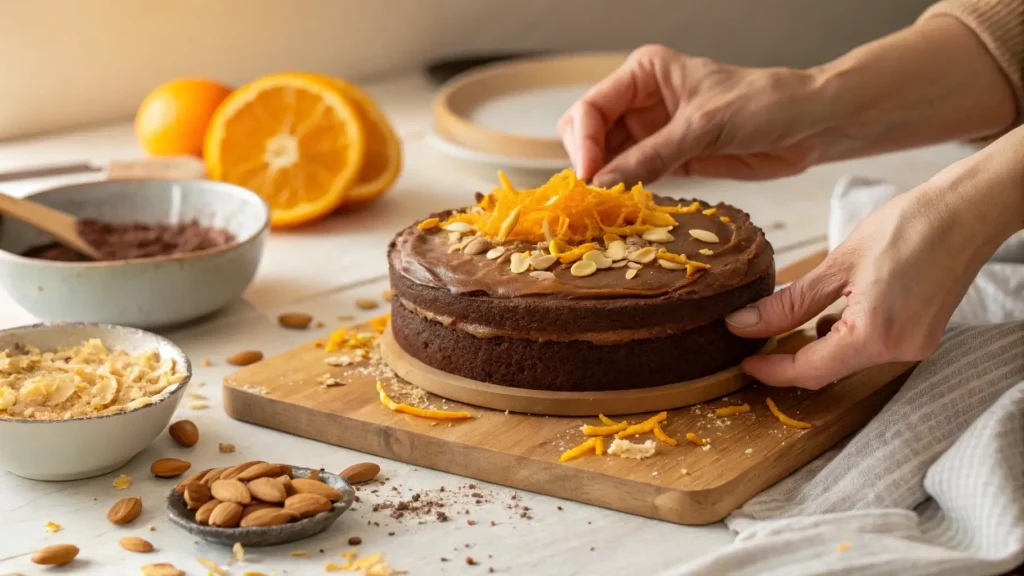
(573, 288)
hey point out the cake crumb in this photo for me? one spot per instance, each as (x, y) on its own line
(151, 528)
(748, 451)
(626, 449)
(684, 472)
(225, 448)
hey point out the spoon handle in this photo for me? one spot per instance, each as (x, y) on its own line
(54, 222)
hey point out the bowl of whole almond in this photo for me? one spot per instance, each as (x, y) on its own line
(258, 504)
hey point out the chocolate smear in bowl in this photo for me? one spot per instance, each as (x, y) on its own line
(137, 240)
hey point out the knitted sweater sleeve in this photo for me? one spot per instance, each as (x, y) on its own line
(1000, 26)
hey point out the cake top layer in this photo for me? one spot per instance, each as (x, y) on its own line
(571, 240)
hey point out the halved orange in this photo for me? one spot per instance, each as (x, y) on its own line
(383, 160)
(294, 139)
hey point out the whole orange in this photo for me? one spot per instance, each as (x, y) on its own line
(172, 119)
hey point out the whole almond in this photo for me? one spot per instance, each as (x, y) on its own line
(261, 470)
(204, 512)
(245, 358)
(213, 475)
(161, 569)
(307, 486)
(169, 467)
(135, 544)
(268, 490)
(55, 555)
(286, 470)
(226, 515)
(197, 477)
(237, 469)
(124, 511)
(256, 506)
(267, 517)
(185, 433)
(359, 473)
(286, 481)
(231, 491)
(197, 494)
(307, 504)
(295, 320)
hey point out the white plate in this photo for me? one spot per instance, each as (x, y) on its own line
(454, 150)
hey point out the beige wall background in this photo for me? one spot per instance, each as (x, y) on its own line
(67, 63)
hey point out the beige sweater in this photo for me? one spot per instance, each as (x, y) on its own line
(1000, 25)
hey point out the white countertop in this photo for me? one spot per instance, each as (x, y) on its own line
(321, 270)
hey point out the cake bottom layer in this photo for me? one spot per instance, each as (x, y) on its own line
(574, 366)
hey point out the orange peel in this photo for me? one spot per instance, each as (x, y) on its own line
(692, 267)
(580, 450)
(732, 410)
(414, 411)
(663, 437)
(783, 418)
(695, 439)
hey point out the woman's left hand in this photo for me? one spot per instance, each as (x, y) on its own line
(903, 270)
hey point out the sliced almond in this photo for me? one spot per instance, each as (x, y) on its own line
(659, 235)
(307, 486)
(185, 433)
(495, 252)
(268, 490)
(266, 517)
(55, 555)
(226, 515)
(245, 358)
(169, 467)
(620, 264)
(669, 265)
(307, 504)
(460, 227)
(238, 552)
(643, 255)
(616, 250)
(705, 236)
(454, 237)
(477, 246)
(706, 251)
(631, 273)
(519, 263)
(542, 275)
(204, 512)
(634, 265)
(543, 262)
(136, 544)
(509, 224)
(359, 473)
(583, 268)
(599, 259)
(196, 494)
(295, 320)
(125, 511)
(230, 491)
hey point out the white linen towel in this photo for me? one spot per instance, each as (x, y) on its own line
(932, 485)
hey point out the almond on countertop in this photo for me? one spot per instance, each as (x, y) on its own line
(55, 555)
(245, 358)
(169, 467)
(125, 511)
(359, 473)
(295, 320)
(135, 544)
(161, 569)
(185, 433)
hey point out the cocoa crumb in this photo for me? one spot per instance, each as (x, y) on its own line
(490, 570)
(354, 541)
(470, 561)
(391, 533)
(442, 517)
(471, 486)
(444, 559)
(442, 489)
(356, 499)
(560, 508)
(493, 523)
(592, 548)
(477, 495)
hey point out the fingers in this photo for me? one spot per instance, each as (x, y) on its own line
(843, 351)
(793, 305)
(654, 156)
(584, 126)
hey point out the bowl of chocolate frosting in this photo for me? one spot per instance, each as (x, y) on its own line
(171, 252)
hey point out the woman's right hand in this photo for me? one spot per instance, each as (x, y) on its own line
(663, 112)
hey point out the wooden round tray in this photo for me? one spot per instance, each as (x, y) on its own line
(525, 90)
(549, 403)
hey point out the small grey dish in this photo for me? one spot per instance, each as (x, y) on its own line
(265, 535)
(147, 292)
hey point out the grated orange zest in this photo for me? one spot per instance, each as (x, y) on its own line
(607, 421)
(692, 267)
(725, 219)
(576, 253)
(709, 211)
(695, 439)
(783, 418)
(663, 437)
(677, 258)
(604, 430)
(577, 451)
(414, 411)
(732, 410)
(599, 446)
(583, 212)
(380, 323)
(428, 224)
(643, 427)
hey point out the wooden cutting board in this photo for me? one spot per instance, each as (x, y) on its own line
(685, 484)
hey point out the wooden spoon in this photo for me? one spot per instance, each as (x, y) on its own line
(63, 227)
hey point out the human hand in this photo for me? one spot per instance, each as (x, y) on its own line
(903, 270)
(664, 112)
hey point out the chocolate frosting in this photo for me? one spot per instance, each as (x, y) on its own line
(423, 257)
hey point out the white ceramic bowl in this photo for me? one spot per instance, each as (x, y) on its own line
(148, 292)
(86, 447)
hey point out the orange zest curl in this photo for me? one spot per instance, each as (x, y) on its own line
(576, 452)
(662, 437)
(643, 427)
(599, 446)
(677, 258)
(732, 410)
(604, 430)
(574, 211)
(785, 419)
(428, 224)
(414, 411)
(608, 421)
(695, 439)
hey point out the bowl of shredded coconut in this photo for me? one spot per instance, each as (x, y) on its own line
(80, 400)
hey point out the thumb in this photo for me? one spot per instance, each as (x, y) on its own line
(654, 156)
(790, 307)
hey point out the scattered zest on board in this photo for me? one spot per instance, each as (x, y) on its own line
(643, 427)
(421, 412)
(783, 418)
(732, 410)
(695, 439)
(576, 452)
